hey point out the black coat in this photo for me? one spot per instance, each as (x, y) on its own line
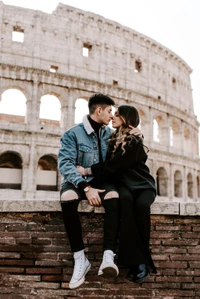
(127, 168)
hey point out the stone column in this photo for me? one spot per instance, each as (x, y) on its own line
(30, 172)
(33, 108)
(185, 184)
(64, 116)
(71, 109)
(171, 182)
(150, 129)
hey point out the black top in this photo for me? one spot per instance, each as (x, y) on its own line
(128, 168)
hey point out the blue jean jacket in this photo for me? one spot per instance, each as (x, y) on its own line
(79, 146)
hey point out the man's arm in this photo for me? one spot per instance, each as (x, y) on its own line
(67, 159)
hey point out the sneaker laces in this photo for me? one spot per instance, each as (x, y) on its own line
(78, 267)
(108, 256)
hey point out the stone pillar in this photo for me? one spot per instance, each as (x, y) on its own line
(165, 134)
(30, 172)
(171, 182)
(182, 143)
(195, 195)
(71, 109)
(185, 184)
(64, 116)
(33, 108)
(150, 129)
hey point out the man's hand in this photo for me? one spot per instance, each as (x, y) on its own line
(135, 131)
(93, 197)
(81, 170)
(84, 171)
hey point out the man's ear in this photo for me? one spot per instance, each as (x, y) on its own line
(98, 110)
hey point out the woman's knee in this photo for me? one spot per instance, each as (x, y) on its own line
(111, 194)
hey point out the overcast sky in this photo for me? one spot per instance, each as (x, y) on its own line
(173, 23)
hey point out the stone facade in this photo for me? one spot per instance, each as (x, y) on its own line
(35, 257)
(120, 62)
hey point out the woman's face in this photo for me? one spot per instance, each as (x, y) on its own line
(117, 121)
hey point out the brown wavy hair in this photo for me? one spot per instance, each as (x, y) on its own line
(122, 136)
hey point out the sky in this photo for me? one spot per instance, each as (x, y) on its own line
(173, 23)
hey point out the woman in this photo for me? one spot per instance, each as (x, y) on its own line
(125, 165)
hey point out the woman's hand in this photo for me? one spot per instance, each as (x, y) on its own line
(136, 131)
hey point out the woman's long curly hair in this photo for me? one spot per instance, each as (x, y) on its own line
(130, 117)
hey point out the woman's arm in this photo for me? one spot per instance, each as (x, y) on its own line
(134, 153)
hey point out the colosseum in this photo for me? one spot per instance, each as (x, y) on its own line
(55, 62)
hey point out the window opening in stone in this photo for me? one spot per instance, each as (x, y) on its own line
(198, 187)
(50, 110)
(155, 131)
(10, 171)
(53, 69)
(171, 136)
(86, 50)
(162, 182)
(138, 66)
(115, 82)
(18, 35)
(178, 184)
(81, 108)
(13, 106)
(189, 185)
(47, 174)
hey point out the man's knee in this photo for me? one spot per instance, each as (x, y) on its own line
(68, 195)
(111, 194)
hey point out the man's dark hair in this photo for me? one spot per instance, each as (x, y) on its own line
(99, 99)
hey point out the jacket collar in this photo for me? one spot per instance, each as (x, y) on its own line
(87, 126)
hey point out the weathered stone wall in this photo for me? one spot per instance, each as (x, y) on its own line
(35, 259)
(35, 256)
(128, 66)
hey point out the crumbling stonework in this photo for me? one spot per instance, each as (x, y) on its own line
(72, 54)
(120, 62)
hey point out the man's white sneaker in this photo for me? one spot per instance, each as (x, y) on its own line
(81, 267)
(108, 267)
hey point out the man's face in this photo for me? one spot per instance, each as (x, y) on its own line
(105, 115)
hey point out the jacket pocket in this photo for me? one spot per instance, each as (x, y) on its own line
(85, 155)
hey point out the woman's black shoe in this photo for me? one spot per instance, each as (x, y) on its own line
(132, 273)
(138, 273)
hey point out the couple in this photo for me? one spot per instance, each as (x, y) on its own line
(108, 168)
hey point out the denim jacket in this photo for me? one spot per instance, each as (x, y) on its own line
(79, 146)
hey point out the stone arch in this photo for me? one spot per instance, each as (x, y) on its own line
(178, 184)
(162, 182)
(189, 185)
(10, 170)
(13, 105)
(81, 108)
(47, 173)
(50, 109)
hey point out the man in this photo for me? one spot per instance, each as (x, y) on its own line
(84, 145)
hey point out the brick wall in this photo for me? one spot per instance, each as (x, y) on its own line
(35, 259)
